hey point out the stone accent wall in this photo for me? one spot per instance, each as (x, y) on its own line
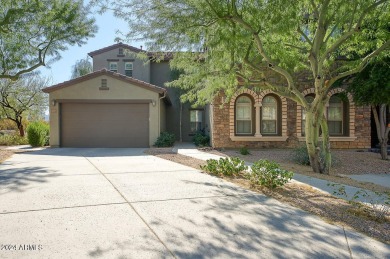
(224, 134)
(362, 131)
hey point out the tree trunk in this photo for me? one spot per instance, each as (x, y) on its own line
(311, 135)
(382, 128)
(384, 150)
(21, 128)
(327, 156)
(180, 121)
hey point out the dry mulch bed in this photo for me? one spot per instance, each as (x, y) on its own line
(331, 209)
(5, 154)
(348, 162)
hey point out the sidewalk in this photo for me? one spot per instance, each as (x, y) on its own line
(189, 149)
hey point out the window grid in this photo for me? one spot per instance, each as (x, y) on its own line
(113, 66)
(244, 115)
(269, 116)
(335, 116)
(129, 69)
(196, 119)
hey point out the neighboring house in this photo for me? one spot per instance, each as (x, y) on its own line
(124, 103)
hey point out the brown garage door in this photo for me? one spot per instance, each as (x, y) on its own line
(104, 125)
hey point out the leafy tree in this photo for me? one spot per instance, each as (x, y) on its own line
(263, 44)
(372, 87)
(23, 97)
(82, 67)
(33, 32)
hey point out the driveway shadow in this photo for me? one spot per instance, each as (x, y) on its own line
(88, 152)
(18, 179)
(251, 226)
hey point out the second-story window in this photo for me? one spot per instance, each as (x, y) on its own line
(129, 69)
(113, 66)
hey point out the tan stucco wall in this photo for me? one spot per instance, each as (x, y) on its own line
(89, 90)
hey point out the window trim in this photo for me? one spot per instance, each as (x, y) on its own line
(202, 121)
(278, 116)
(132, 68)
(252, 116)
(112, 63)
(349, 115)
(344, 118)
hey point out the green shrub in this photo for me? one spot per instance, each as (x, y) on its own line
(201, 140)
(244, 151)
(12, 140)
(165, 139)
(38, 134)
(301, 156)
(225, 166)
(268, 173)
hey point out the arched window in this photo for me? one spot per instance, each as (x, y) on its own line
(309, 99)
(337, 114)
(270, 116)
(244, 115)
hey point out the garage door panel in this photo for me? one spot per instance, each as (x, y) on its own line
(104, 125)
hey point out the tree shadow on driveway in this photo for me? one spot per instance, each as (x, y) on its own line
(250, 226)
(18, 179)
(89, 152)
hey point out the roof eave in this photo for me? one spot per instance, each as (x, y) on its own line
(95, 74)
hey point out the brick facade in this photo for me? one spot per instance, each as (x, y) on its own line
(223, 130)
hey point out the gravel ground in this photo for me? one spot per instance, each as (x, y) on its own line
(5, 154)
(331, 209)
(347, 162)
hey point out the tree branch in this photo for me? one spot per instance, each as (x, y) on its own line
(296, 47)
(305, 36)
(314, 6)
(320, 31)
(353, 15)
(349, 33)
(361, 66)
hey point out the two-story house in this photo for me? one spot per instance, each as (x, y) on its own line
(124, 103)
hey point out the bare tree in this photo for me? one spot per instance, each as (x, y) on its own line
(22, 97)
(82, 67)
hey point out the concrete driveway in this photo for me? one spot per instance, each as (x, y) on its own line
(121, 203)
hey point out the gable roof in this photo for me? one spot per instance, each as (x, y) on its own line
(118, 45)
(105, 72)
(156, 55)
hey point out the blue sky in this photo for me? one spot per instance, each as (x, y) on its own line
(108, 25)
